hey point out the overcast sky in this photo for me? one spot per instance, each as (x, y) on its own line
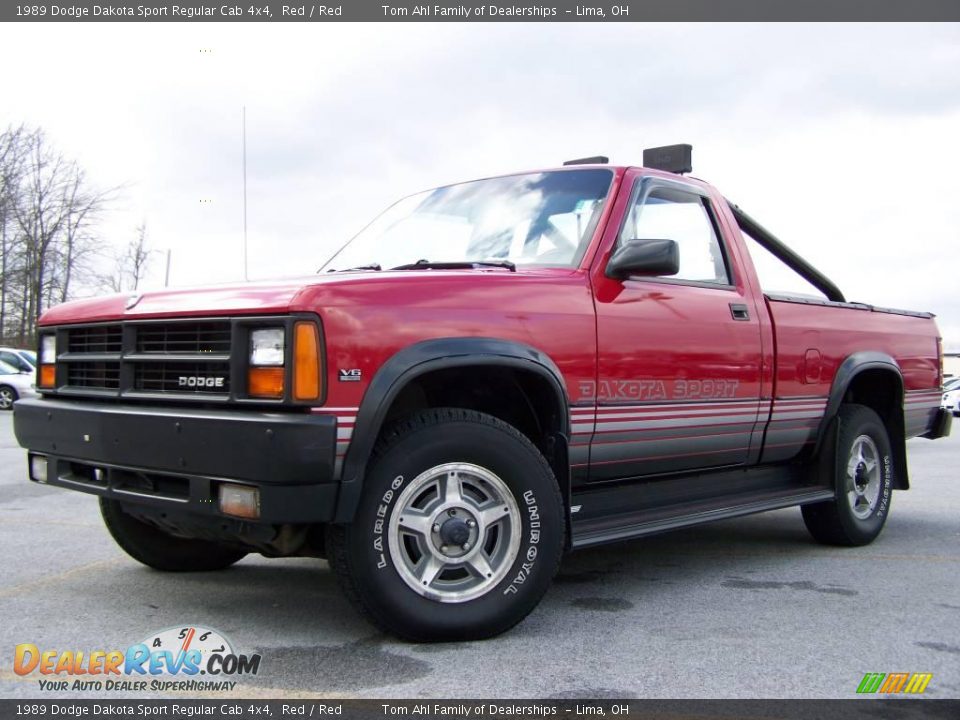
(842, 139)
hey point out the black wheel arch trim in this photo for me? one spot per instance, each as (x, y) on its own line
(428, 356)
(852, 366)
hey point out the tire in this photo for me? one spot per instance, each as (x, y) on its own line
(863, 476)
(8, 396)
(459, 531)
(162, 551)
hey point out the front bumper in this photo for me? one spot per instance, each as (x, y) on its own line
(176, 458)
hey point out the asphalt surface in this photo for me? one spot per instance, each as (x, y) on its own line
(742, 608)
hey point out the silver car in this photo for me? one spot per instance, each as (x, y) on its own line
(15, 384)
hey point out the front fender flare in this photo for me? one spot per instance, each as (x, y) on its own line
(419, 359)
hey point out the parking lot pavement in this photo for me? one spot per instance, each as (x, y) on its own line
(743, 608)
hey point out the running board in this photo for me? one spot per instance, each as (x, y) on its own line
(661, 519)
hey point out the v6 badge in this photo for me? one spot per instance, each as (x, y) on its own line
(351, 375)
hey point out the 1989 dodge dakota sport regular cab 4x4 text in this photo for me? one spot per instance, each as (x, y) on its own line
(489, 374)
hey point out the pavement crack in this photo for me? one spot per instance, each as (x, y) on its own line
(744, 584)
(939, 647)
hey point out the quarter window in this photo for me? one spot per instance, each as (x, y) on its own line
(669, 214)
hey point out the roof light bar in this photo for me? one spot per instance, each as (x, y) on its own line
(672, 158)
(595, 160)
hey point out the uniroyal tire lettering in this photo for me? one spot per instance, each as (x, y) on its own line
(885, 495)
(533, 513)
(382, 509)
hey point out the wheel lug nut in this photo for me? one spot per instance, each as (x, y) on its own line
(451, 512)
(443, 548)
(436, 527)
(466, 546)
(471, 523)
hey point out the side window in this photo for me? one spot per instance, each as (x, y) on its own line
(10, 359)
(668, 214)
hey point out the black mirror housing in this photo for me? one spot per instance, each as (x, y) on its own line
(644, 257)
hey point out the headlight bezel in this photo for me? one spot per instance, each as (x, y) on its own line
(273, 376)
(46, 377)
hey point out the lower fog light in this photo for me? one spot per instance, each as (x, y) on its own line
(240, 501)
(38, 468)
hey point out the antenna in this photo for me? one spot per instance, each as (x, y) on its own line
(166, 274)
(245, 273)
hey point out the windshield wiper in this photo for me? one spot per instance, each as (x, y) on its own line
(457, 265)
(371, 266)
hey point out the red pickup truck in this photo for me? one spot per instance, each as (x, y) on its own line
(489, 374)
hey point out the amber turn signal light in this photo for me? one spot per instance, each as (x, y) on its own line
(306, 362)
(48, 376)
(265, 382)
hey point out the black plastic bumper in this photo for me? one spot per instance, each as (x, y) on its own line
(176, 458)
(941, 425)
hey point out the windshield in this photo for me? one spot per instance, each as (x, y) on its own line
(537, 219)
(30, 357)
(7, 369)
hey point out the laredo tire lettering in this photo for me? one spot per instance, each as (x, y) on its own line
(496, 467)
(378, 524)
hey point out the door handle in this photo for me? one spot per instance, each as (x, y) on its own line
(739, 311)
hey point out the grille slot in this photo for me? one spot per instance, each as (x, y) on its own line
(97, 339)
(207, 378)
(184, 338)
(94, 375)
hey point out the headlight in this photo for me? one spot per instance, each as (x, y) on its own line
(267, 346)
(48, 349)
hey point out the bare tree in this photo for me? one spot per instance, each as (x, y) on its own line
(48, 211)
(130, 264)
(11, 170)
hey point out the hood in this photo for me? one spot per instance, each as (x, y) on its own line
(255, 298)
(263, 298)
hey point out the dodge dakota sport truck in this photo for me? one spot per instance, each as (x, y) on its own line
(488, 375)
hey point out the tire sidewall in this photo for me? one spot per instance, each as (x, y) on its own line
(863, 421)
(541, 540)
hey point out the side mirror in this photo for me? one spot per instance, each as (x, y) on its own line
(644, 257)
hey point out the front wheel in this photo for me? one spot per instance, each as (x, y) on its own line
(160, 550)
(8, 396)
(459, 531)
(863, 481)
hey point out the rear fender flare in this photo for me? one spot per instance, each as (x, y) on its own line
(849, 369)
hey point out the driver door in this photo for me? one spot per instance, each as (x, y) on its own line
(678, 382)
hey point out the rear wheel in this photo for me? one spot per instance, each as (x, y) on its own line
(459, 531)
(160, 550)
(863, 475)
(8, 396)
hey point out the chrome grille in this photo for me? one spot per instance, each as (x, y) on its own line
(183, 358)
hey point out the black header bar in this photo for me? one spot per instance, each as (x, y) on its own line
(473, 11)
